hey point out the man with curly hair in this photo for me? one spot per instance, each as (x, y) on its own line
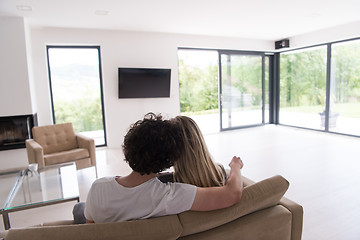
(148, 147)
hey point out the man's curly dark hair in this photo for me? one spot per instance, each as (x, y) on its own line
(151, 144)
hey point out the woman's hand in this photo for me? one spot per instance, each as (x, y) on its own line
(236, 161)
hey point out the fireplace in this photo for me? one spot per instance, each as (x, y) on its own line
(14, 130)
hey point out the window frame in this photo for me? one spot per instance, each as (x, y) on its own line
(100, 79)
(328, 84)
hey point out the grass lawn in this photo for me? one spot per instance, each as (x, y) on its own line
(344, 109)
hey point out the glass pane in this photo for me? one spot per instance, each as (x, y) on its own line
(345, 88)
(7, 187)
(51, 184)
(198, 79)
(266, 88)
(303, 88)
(241, 81)
(76, 93)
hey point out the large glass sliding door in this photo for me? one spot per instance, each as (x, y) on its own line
(303, 87)
(320, 87)
(242, 77)
(344, 116)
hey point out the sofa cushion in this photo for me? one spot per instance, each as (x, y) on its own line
(66, 156)
(58, 223)
(272, 223)
(55, 138)
(167, 227)
(255, 197)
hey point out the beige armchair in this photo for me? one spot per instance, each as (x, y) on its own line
(59, 143)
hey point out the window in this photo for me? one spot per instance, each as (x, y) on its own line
(344, 102)
(314, 87)
(76, 89)
(303, 87)
(198, 81)
(239, 90)
(267, 90)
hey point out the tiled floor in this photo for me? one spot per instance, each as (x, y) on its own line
(323, 171)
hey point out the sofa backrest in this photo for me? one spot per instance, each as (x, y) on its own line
(167, 228)
(262, 195)
(255, 197)
(55, 138)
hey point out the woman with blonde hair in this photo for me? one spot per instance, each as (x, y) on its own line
(195, 165)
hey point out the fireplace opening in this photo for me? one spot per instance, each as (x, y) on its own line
(14, 130)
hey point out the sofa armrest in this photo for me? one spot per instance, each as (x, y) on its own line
(255, 197)
(246, 181)
(35, 152)
(297, 217)
(295, 209)
(89, 144)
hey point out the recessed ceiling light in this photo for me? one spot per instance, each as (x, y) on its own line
(102, 12)
(24, 8)
(313, 15)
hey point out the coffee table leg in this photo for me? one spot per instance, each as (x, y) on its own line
(6, 220)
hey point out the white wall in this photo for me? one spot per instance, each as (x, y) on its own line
(15, 77)
(15, 158)
(15, 96)
(125, 49)
(342, 32)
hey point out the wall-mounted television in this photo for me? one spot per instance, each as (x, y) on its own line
(144, 82)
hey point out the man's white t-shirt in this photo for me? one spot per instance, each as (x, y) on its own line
(108, 201)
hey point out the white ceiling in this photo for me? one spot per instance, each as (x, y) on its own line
(254, 19)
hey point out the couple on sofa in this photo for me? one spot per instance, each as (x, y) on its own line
(150, 146)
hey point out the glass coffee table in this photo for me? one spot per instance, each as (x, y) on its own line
(22, 189)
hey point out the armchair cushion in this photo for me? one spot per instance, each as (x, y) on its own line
(66, 156)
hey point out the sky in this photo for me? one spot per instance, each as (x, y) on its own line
(60, 57)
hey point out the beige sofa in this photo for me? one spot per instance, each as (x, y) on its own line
(262, 213)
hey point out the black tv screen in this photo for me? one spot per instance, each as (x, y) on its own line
(144, 82)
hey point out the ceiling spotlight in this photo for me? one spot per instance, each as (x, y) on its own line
(102, 12)
(24, 8)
